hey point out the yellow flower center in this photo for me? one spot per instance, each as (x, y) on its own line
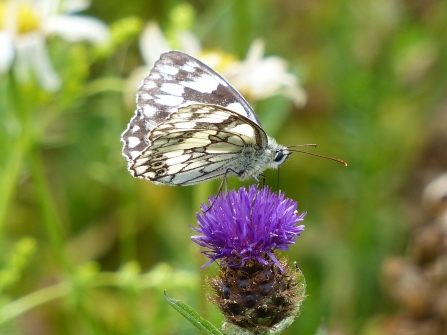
(26, 19)
(217, 59)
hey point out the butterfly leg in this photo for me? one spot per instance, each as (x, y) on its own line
(253, 206)
(223, 184)
(225, 180)
(277, 181)
(259, 183)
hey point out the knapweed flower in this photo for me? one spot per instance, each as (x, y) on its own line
(244, 225)
(24, 27)
(242, 229)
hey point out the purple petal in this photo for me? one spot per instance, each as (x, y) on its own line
(242, 225)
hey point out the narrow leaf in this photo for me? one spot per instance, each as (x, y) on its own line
(322, 329)
(191, 315)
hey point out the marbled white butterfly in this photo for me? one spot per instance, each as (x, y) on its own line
(191, 125)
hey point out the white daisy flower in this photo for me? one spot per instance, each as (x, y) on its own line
(257, 77)
(152, 44)
(24, 26)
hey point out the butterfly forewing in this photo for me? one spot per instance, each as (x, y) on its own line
(191, 125)
(177, 79)
(196, 143)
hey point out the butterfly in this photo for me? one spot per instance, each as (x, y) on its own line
(191, 125)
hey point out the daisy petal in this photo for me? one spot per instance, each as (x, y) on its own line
(73, 6)
(190, 43)
(32, 55)
(76, 28)
(152, 44)
(6, 52)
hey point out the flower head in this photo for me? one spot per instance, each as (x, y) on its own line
(24, 27)
(239, 226)
(257, 77)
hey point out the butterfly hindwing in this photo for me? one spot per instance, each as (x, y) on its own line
(177, 79)
(196, 143)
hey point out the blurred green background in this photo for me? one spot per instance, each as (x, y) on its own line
(87, 249)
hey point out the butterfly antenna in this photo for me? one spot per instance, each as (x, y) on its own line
(303, 145)
(321, 156)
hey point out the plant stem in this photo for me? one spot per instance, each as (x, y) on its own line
(33, 300)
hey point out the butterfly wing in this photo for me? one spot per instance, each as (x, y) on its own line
(196, 143)
(177, 79)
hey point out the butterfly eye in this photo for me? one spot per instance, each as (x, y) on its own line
(279, 156)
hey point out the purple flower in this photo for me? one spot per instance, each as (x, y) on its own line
(242, 225)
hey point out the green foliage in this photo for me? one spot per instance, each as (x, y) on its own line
(192, 316)
(85, 248)
(15, 263)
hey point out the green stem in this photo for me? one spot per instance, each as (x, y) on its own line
(10, 176)
(47, 294)
(18, 141)
(51, 220)
(24, 304)
(97, 280)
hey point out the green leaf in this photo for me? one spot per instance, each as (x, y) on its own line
(191, 315)
(322, 329)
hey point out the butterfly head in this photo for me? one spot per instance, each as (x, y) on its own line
(280, 156)
(278, 153)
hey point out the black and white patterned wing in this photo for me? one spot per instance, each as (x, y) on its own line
(197, 143)
(177, 79)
